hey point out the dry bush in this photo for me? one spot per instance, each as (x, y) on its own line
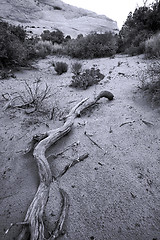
(60, 67)
(152, 47)
(58, 49)
(43, 48)
(32, 98)
(88, 78)
(76, 68)
(150, 83)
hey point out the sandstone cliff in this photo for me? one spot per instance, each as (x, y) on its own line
(38, 15)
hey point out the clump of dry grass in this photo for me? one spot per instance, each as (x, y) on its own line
(76, 68)
(32, 98)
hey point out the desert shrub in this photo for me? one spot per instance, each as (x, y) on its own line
(150, 83)
(57, 49)
(67, 38)
(36, 94)
(76, 68)
(43, 48)
(31, 99)
(152, 46)
(30, 46)
(5, 73)
(57, 8)
(12, 48)
(54, 36)
(88, 78)
(138, 27)
(61, 67)
(16, 49)
(79, 36)
(92, 46)
(18, 31)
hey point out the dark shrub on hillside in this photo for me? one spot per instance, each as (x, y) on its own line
(54, 36)
(57, 8)
(79, 36)
(61, 67)
(92, 46)
(18, 31)
(67, 38)
(88, 78)
(12, 48)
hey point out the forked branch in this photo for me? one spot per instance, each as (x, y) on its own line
(34, 230)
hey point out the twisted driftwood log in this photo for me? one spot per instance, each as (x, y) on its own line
(33, 227)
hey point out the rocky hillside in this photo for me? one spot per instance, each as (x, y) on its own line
(38, 15)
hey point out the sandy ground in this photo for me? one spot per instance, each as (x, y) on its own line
(114, 193)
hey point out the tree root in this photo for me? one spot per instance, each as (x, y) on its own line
(34, 230)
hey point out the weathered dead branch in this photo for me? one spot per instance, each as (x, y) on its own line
(65, 206)
(35, 229)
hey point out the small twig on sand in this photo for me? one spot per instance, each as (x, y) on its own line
(126, 123)
(95, 143)
(15, 224)
(65, 150)
(110, 130)
(147, 123)
(51, 113)
(80, 159)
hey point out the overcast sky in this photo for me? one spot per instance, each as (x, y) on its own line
(115, 9)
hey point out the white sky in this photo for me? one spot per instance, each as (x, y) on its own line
(117, 10)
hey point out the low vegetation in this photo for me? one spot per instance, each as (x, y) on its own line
(150, 83)
(31, 99)
(152, 46)
(92, 46)
(13, 50)
(60, 67)
(76, 68)
(43, 48)
(87, 78)
(54, 36)
(140, 34)
(138, 27)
